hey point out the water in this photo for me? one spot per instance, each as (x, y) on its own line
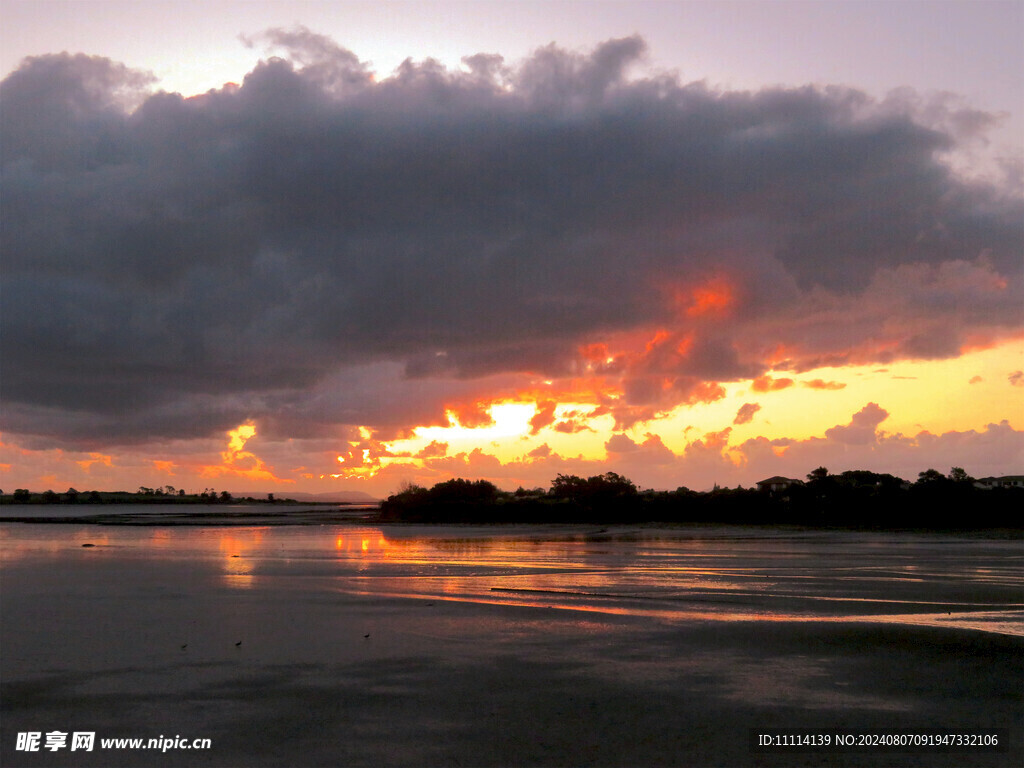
(359, 645)
(172, 513)
(691, 574)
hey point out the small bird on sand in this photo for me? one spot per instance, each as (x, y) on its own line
(366, 635)
(239, 643)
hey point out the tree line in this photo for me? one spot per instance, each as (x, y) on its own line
(856, 498)
(166, 494)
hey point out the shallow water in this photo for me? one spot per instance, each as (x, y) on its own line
(699, 573)
(155, 513)
(516, 645)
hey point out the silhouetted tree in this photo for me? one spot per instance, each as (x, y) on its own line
(608, 485)
(854, 498)
(939, 502)
(863, 478)
(600, 497)
(521, 492)
(456, 500)
(22, 494)
(930, 476)
(959, 475)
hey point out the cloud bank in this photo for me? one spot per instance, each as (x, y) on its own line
(321, 248)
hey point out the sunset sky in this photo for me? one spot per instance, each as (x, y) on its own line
(323, 247)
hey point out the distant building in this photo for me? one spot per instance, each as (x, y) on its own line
(1006, 481)
(777, 483)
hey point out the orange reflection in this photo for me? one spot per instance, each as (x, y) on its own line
(362, 543)
(90, 537)
(238, 563)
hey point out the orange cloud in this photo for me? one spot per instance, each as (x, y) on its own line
(822, 384)
(597, 352)
(714, 297)
(571, 426)
(471, 415)
(768, 384)
(475, 461)
(545, 416)
(746, 413)
(237, 462)
(435, 449)
(95, 458)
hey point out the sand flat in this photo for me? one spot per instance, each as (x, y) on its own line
(531, 645)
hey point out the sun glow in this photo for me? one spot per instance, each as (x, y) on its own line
(238, 462)
(503, 435)
(507, 420)
(516, 428)
(536, 425)
(237, 439)
(714, 297)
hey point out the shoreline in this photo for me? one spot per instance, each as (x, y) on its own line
(355, 515)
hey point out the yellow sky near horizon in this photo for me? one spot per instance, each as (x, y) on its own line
(957, 394)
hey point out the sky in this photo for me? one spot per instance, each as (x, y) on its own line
(334, 247)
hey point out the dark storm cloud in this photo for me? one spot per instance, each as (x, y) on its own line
(172, 265)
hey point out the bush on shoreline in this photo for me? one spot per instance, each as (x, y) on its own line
(852, 499)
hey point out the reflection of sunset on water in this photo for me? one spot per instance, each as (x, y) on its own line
(237, 549)
(361, 544)
(15, 548)
(672, 575)
(694, 579)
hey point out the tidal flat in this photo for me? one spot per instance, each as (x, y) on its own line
(359, 645)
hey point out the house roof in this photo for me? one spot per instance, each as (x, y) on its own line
(778, 479)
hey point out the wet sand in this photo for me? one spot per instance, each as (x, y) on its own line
(405, 646)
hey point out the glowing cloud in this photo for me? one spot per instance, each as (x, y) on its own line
(237, 462)
(746, 413)
(768, 384)
(715, 297)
